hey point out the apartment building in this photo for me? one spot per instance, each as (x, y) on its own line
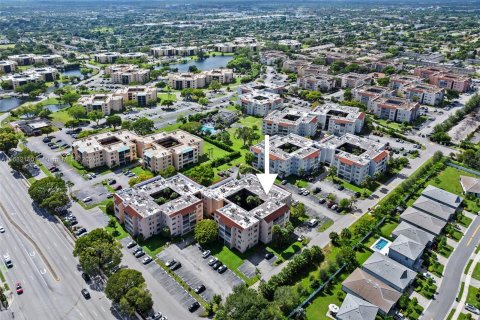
(290, 120)
(169, 51)
(353, 80)
(127, 73)
(7, 66)
(257, 86)
(444, 78)
(401, 81)
(270, 58)
(312, 70)
(339, 120)
(46, 74)
(240, 42)
(142, 95)
(185, 80)
(379, 66)
(28, 59)
(106, 57)
(107, 103)
(354, 157)
(294, 65)
(260, 103)
(424, 94)
(319, 82)
(133, 55)
(395, 109)
(150, 206)
(106, 149)
(243, 223)
(366, 94)
(291, 44)
(158, 151)
(178, 148)
(289, 155)
(24, 59)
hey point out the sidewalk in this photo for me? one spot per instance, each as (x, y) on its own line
(468, 280)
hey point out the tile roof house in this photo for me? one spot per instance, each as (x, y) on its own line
(442, 196)
(370, 289)
(406, 251)
(354, 308)
(414, 233)
(434, 208)
(423, 220)
(389, 271)
(470, 185)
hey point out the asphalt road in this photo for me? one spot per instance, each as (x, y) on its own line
(448, 290)
(43, 262)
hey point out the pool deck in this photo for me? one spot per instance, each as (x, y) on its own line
(383, 250)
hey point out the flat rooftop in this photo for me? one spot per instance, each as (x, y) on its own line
(290, 116)
(286, 147)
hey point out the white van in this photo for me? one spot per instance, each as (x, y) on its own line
(312, 223)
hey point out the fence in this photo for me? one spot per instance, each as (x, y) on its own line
(456, 166)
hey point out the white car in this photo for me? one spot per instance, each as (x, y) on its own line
(87, 199)
(2, 230)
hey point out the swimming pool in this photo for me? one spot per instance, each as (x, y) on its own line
(208, 128)
(381, 243)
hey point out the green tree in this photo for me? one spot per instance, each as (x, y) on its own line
(215, 85)
(334, 237)
(249, 157)
(114, 121)
(95, 116)
(50, 193)
(168, 172)
(332, 172)
(203, 174)
(298, 211)
(206, 232)
(136, 299)
(143, 126)
(70, 97)
(346, 235)
(8, 139)
(98, 250)
(193, 127)
(76, 112)
(344, 204)
(347, 255)
(246, 134)
(21, 159)
(203, 101)
(347, 94)
(119, 283)
(383, 81)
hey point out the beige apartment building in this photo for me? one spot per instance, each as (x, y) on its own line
(282, 122)
(142, 95)
(127, 73)
(107, 103)
(169, 51)
(28, 59)
(180, 81)
(106, 57)
(240, 42)
(395, 109)
(46, 74)
(424, 94)
(319, 82)
(260, 103)
(366, 94)
(353, 80)
(7, 66)
(398, 82)
(444, 78)
(291, 44)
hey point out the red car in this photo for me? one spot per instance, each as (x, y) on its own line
(19, 288)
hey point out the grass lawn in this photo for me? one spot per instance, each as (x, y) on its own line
(460, 292)
(463, 316)
(319, 307)
(324, 226)
(456, 235)
(118, 232)
(469, 263)
(61, 116)
(216, 151)
(449, 180)
(166, 96)
(138, 170)
(476, 272)
(153, 245)
(363, 191)
(387, 228)
(472, 296)
(7, 46)
(287, 253)
(464, 221)
(427, 290)
(170, 127)
(437, 269)
(445, 250)
(294, 180)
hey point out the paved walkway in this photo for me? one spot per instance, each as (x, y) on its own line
(468, 280)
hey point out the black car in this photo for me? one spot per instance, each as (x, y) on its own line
(80, 231)
(131, 244)
(222, 269)
(137, 249)
(46, 140)
(85, 277)
(170, 263)
(269, 256)
(340, 187)
(194, 306)
(322, 201)
(176, 266)
(86, 294)
(200, 289)
(216, 265)
(112, 182)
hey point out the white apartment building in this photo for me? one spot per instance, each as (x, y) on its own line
(260, 103)
(319, 82)
(150, 206)
(290, 120)
(243, 224)
(7, 66)
(395, 109)
(312, 70)
(177, 148)
(169, 51)
(289, 155)
(354, 157)
(398, 82)
(127, 73)
(339, 120)
(27, 59)
(142, 95)
(270, 58)
(24, 59)
(424, 94)
(133, 55)
(353, 80)
(106, 57)
(295, 65)
(257, 86)
(366, 94)
(240, 42)
(291, 44)
(46, 74)
(103, 102)
(180, 81)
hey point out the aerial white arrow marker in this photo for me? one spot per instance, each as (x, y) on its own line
(266, 179)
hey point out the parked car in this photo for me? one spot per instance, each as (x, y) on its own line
(147, 260)
(112, 182)
(322, 200)
(212, 261)
(200, 289)
(80, 231)
(340, 187)
(86, 294)
(137, 249)
(284, 182)
(139, 254)
(312, 223)
(2, 230)
(472, 309)
(131, 244)
(206, 254)
(170, 263)
(176, 266)
(118, 187)
(194, 306)
(334, 207)
(269, 255)
(87, 199)
(222, 269)
(18, 288)
(216, 265)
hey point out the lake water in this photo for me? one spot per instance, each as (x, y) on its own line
(55, 107)
(73, 72)
(204, 65)
(9, 104)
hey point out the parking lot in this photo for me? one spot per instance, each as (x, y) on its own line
(195, 271)
(175, 290)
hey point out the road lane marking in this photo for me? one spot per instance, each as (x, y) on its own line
(473, 235)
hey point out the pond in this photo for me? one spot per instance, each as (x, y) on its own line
(204, 65)
(9, 104)
(73, 72)
(55, 107)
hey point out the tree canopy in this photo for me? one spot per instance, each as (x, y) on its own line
(50, 193)
(206, 231)
(143, 126)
